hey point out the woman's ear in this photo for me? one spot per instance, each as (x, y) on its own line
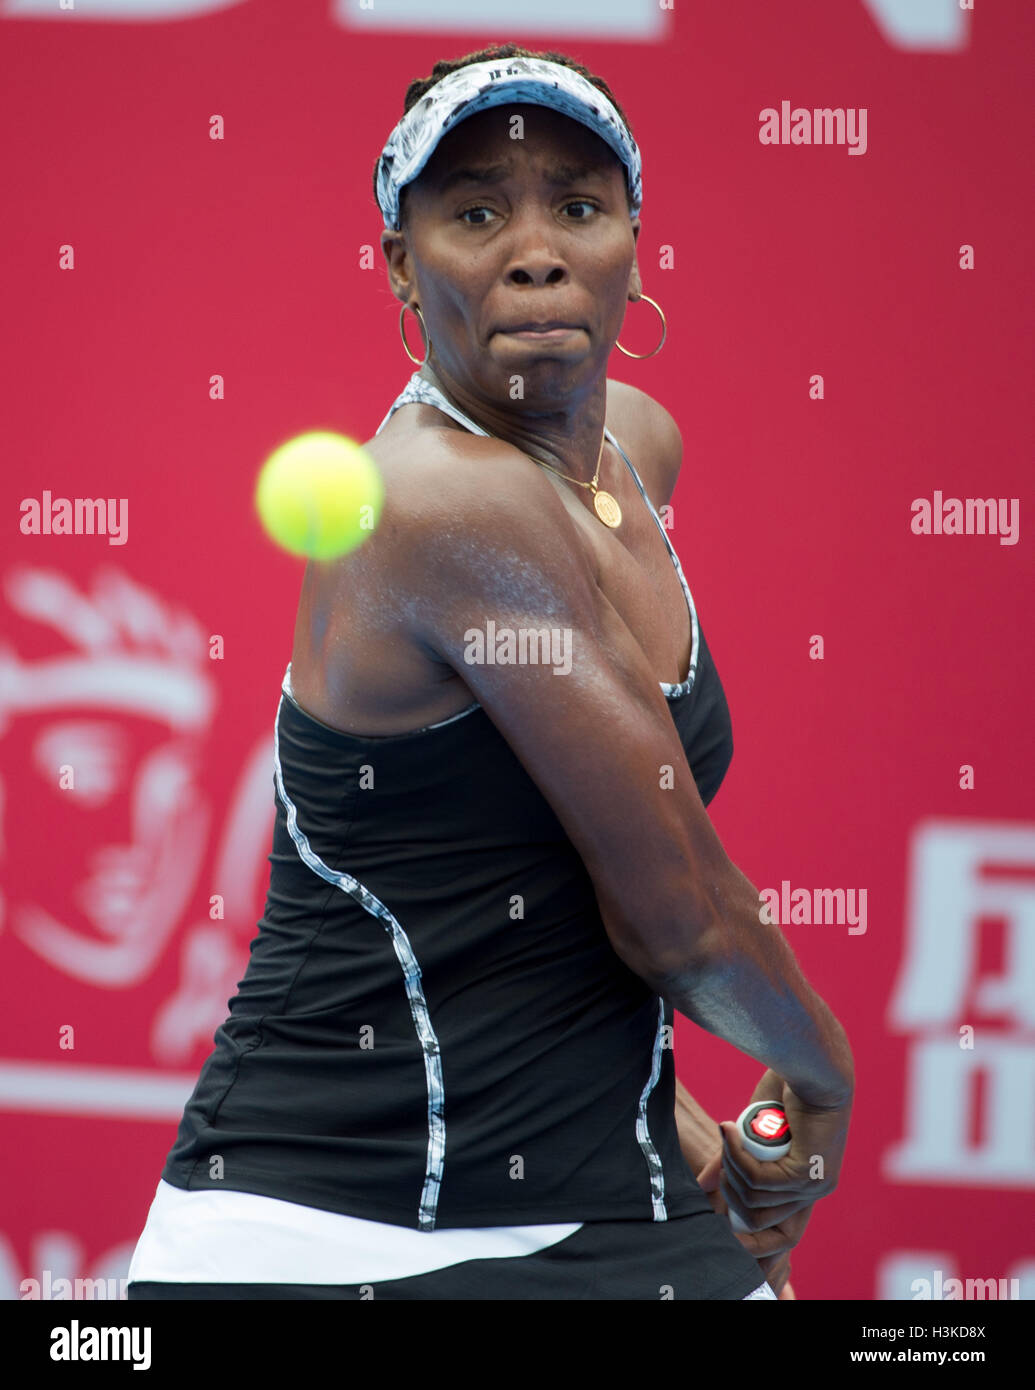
(635, 284)
(397, 259)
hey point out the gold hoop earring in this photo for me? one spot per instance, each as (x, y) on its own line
(664, 331)
(423, 332)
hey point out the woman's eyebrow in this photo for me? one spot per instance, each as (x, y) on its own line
(572, 173)
(489, 173)
(495, 173)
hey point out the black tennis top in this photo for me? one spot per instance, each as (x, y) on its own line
(433, 1028)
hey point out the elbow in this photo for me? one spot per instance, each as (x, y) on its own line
(674, 975)
(683, 930)
(668, 960)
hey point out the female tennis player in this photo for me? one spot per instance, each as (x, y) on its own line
(447, 1072)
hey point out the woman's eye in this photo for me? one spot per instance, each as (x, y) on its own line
(481, 215)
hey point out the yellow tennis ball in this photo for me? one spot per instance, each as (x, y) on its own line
(319, 495)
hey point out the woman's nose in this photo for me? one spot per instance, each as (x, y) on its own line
(536, 269)
(534, 257)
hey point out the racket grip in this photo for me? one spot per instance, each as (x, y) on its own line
(766, 1136)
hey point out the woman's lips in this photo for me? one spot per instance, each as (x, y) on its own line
(540, 334)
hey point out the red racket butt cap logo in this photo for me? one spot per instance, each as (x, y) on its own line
(768, 1125)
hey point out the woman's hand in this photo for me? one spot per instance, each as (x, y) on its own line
(774, 1199)
(700, 1138)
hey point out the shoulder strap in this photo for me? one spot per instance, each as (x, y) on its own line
(422, 391)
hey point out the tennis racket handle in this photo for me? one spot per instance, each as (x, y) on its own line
(766, 1136)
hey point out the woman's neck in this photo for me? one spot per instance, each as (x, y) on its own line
(569, 438)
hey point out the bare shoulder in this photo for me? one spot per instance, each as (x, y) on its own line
(484, 502)
(470, 499)
(440, 471)
(467, 526)
(650, 436)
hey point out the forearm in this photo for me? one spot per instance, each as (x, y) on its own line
(699, 1136)
(744, 985)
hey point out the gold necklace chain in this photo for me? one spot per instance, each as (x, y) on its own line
(605, 506)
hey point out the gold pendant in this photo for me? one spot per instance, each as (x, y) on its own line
(607, 509)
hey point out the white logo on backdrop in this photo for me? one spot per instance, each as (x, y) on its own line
(970, 1099)
(107, 743)
(932, 26)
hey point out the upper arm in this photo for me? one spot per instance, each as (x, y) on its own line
(596, 740)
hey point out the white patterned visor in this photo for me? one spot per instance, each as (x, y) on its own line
(504, 81)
